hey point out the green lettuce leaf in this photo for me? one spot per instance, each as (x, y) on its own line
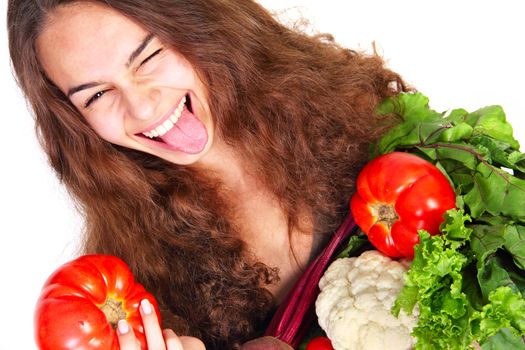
(435, 282)
(505, 309)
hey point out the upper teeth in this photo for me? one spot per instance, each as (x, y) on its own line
(168, 123)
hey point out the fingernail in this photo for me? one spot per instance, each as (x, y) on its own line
(146, 306)
(123, 327)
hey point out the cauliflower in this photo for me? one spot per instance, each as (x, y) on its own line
(354, 304)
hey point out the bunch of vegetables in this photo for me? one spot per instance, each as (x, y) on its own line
(445, 193)
(466, 283)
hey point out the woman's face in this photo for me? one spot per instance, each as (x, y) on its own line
(134, 90)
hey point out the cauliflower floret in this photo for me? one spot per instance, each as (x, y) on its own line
(355, 301)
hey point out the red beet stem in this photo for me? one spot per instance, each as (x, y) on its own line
(294, 316)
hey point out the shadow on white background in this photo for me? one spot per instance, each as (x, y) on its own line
(466, 54)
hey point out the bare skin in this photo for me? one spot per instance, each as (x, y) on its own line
(261, 219)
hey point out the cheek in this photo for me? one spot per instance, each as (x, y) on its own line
(110, 128)
(175, 72)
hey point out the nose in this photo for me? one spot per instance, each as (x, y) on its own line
(141, 101)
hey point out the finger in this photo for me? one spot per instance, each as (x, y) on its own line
(152, 329)
(126, 337)
(172, 341)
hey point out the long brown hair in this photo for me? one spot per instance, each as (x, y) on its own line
(300, 107)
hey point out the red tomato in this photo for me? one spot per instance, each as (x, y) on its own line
(397, 195)
(319, 343)
(82, 301)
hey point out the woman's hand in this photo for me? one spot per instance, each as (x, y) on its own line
(156, 338)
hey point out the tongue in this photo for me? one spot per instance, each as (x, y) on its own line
(188, 135)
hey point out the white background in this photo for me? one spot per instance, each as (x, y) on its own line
(465, 54)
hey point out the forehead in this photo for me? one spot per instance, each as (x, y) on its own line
(85, 41)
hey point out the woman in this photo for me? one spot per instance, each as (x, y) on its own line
(210, 147)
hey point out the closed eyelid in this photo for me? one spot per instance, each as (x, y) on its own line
(155, 53)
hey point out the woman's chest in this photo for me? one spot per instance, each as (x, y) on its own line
(270, 239)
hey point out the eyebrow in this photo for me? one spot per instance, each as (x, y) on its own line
(139, 49)
(132, 57)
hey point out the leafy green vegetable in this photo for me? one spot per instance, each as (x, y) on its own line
(515, 244)
(469, 282)
(450, 293)
(357, 243)
(505, 309)
(504, 339)
(496, 192)
(476, 150)
(495, 262)
(435, 282)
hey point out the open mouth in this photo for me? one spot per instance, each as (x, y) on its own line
(181, 131)
(160, 130)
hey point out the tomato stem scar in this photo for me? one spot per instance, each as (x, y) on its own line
(113, 311)
(385, 213)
